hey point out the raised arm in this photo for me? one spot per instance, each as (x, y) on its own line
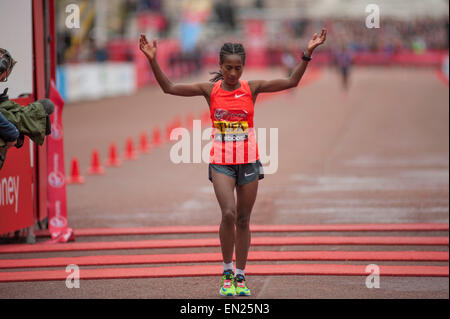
(195, 89)
(261, 86)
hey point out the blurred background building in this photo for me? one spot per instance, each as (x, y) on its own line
(191, 32)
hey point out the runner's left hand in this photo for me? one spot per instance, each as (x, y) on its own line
(317, 40)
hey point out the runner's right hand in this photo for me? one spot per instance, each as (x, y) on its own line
(148, 49)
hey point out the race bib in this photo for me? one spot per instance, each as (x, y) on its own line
(230, 125)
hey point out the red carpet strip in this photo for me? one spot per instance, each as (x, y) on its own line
(216, 270)
(214, 242)
(217, 257)
(254, 228)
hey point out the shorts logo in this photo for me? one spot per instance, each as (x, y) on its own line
(247, 175)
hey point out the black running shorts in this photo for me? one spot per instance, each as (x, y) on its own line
(242, 173)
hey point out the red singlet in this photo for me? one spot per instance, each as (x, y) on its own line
(231, 113)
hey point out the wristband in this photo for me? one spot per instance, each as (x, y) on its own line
(305, 58)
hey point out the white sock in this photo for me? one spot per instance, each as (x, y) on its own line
(239, 272)
(229, 266)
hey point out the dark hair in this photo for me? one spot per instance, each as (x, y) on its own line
(228, 49)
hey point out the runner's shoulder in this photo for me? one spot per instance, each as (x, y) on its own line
(206, 88)
(254, 85)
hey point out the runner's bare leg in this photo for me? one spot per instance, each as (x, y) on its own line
(246, 196)
(224, 190)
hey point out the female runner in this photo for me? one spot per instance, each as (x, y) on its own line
(234, 162)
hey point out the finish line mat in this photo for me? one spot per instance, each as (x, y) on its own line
(159, 230)
(215, 270)
(172, 270)
(217, 257)
(214, 242)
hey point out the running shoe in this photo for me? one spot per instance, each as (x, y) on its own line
(241, 286)
(227, 289)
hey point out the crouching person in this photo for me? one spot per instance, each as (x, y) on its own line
(18, 121)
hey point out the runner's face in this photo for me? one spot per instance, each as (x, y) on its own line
(232, 69)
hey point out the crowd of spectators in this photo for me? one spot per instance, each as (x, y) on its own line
(393, 35)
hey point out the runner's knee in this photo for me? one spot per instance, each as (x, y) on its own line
(243, 222)
(228, 215)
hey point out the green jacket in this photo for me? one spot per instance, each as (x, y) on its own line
(29, 120)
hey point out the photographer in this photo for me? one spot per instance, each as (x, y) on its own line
(17, 121)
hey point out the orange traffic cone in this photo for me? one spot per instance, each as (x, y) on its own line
(169, 128)
(144, 146)
(130, 153)
(176, 123)
(96, 168)
(189, 121)
(113, 159)
(75, 177)
(206, 118)
(156, 137)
